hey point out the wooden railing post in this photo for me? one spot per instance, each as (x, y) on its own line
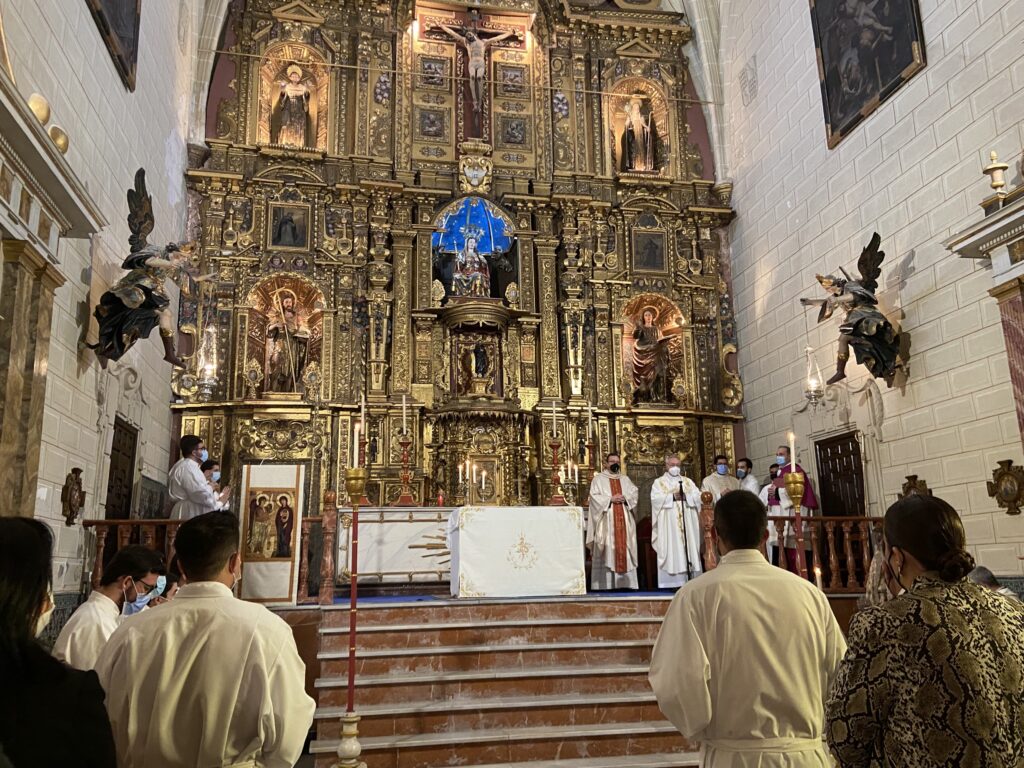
(329, 527)
(780, 543)
(101, 544)
(798, 529)
(707, 522)
(865, 547)
(815, 556)
(833, 558)
(851, 563)
(307, 524)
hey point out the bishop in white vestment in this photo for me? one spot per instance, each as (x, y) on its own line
(611, 528)
(675, 526)
(747, 654)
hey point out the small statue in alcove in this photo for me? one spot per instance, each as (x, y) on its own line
(874, 340)
(479, 360)
(639, 136)
(138, 303)
(290, 123)
(72, 497)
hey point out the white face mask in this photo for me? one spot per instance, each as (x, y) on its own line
(44, 618)
(674, 471)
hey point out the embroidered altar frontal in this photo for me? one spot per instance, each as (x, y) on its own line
(517, 551)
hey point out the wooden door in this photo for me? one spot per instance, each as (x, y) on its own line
(840, 476)
(121, 478)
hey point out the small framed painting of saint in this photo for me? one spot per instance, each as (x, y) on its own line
(866, 52)
(288, 227)
(649, 251)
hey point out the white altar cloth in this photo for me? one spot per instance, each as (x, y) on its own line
(516, 551)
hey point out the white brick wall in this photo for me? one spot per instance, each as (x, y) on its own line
(911, 171)
(56, 50)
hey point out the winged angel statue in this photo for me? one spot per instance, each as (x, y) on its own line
(875, 342)
(138, 303)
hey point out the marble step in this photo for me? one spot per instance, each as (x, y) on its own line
(670, 760)
(456, 715)
(515, 745)
(484, 611)
(485, 683)
(430, 634)
(455, 658)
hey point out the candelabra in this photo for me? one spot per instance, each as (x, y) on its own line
(794, 482)
(557, 499)
(349, 748)
(406, 499)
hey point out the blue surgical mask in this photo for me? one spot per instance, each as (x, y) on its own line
(722, 469)
(215, 476)
(204, 455)
(780, 460)
(142, 600)
(741, 473)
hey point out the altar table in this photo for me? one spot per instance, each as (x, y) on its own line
(516, 551)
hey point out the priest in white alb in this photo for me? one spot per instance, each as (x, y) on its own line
(747, 653)
(721, 481)
(611, 528)
(675, 525)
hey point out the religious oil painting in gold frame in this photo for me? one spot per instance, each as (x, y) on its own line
(513, 132)
(270, 523)
(435, 73)
(432, 125)
(866, 52)
(649, 247)
(288, 227)
(511, 79)
(118, 22)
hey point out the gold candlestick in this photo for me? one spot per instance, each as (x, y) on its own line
(406, 498)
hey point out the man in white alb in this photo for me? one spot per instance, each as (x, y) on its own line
(745, 474)
(675, 525)
(206, 679)
(747, 653)
(720, 481)
(131, 579)
(611, 528)
(188, 487)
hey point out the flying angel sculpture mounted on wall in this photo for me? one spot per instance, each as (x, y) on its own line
(138, 303)
(874, 340)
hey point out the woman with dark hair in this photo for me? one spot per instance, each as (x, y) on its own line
(50, 714)
(935, 676)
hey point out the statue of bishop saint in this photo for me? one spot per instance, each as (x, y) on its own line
(611, 528)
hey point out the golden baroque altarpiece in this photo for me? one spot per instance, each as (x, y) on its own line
(483, 211)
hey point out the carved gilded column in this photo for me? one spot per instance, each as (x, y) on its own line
(1010, 296)
(547, 259)
(402, 261)
(26, 304)
(379, 274)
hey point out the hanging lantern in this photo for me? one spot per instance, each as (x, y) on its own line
(814, 385)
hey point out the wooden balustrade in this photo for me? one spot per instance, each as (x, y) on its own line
(826, 537)
(153, 534)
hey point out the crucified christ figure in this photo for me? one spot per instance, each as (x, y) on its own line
(476, 50)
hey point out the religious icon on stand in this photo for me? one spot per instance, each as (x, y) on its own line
(290, 123)
(287, 341)
(874, 340)
(650, 361)
(138, 303)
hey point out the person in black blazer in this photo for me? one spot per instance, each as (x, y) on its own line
(50, 714)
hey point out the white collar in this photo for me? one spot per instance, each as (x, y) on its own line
(104, 603)
(202, 589)
(742, 556)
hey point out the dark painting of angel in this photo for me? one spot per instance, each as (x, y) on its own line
(138, 303)
(874, 340)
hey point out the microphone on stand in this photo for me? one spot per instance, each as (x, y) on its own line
(682, 520)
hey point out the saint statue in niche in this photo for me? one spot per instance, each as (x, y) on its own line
(479, 360)
(638, 137)
(290, 123)
(472, 274)
(650, 361)
(287, 339)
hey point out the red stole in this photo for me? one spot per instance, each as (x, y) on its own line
(618, 526)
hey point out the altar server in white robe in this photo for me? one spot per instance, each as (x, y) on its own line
(611, 528)
(206, 679)
(187, 485)
(745, 474)
(720, 481)
(747, 654)
(675, 525)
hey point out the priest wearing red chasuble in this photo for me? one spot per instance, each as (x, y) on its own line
(611, 528)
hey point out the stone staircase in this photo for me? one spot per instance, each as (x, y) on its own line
(499, 683)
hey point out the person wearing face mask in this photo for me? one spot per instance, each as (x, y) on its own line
(206, 679)
(611, 528)
(187, 485)
(745, 474)
(720, 481)
(211, 471)
(675, 526)
(50, 714)
(769, 491)
(746, 653)
(933, 676)
(129, 583)
(781, 505)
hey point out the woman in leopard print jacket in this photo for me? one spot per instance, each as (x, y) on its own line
(935, 676)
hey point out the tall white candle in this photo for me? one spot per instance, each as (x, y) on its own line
(460, 474)
(483, 480)
(792, 452)
(474, 474)
(590, 423)
(553, 432)
(405, 417)
(355, 447)
(576, 473)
